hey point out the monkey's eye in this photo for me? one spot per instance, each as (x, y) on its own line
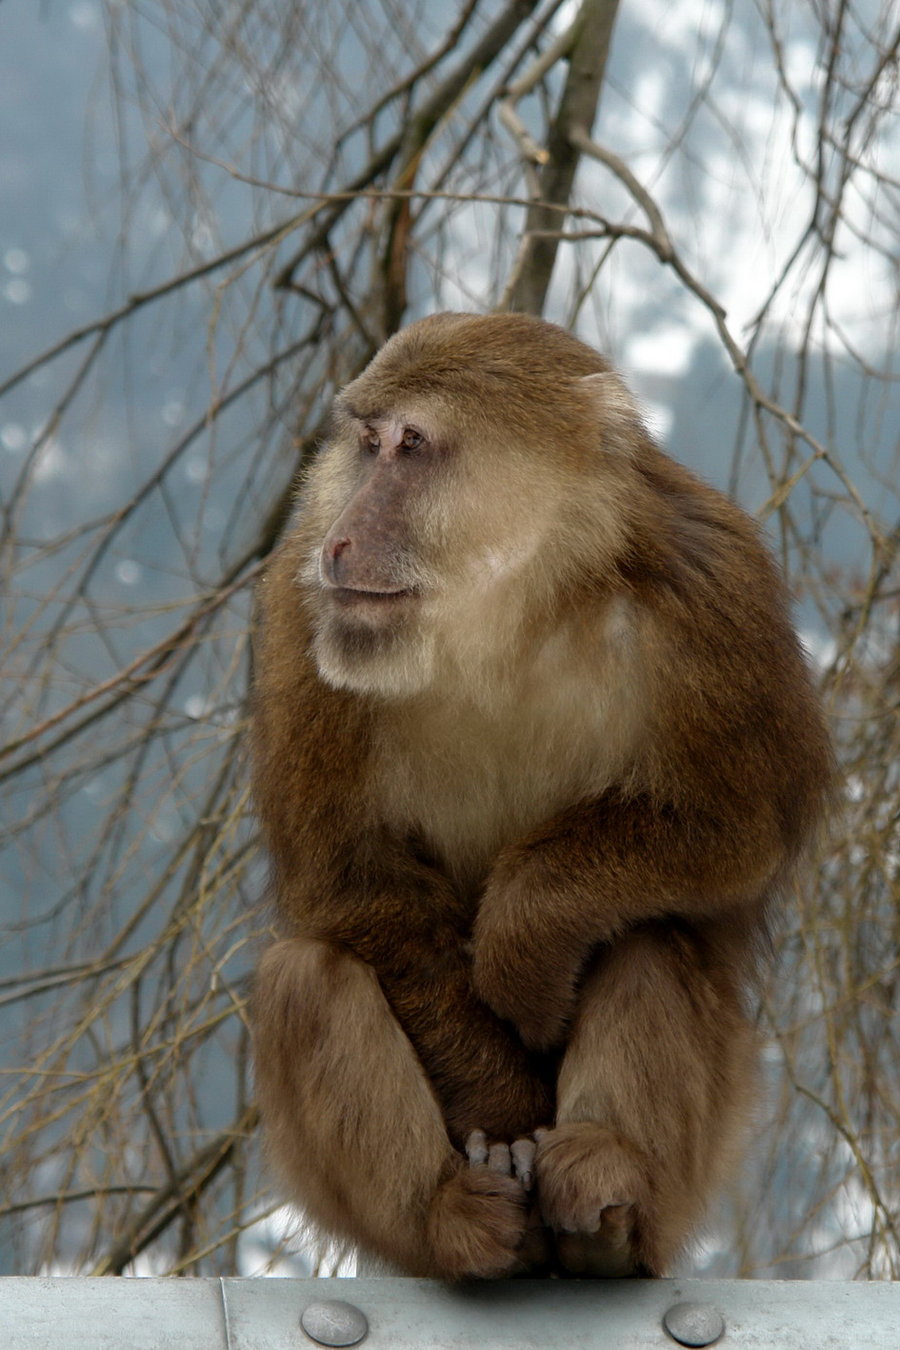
(371, 442)
(412, 440)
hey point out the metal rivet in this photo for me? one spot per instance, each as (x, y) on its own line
(334, 1322)
(694, 1323)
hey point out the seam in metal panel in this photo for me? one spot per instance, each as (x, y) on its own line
(224, 1296)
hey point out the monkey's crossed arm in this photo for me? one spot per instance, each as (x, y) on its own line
(586, 879)
(713, 804)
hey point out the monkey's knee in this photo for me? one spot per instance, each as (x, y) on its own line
(307, 991)
(295, 970)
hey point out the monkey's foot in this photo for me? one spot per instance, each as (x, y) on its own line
(477, 1220)
(535, 1252)
(591, 1187)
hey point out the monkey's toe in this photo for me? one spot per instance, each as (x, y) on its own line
(477, 1148)
(516, 1159)
(523, 1152)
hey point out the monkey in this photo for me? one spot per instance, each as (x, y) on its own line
(536, 755)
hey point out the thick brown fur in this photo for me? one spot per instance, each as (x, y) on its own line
(535, 755)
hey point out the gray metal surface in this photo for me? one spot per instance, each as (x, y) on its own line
(402, 1314)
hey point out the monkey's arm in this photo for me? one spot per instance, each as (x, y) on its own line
(590, 875)
(731, 780)
(364, 891)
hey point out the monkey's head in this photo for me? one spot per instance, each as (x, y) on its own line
(476, 469)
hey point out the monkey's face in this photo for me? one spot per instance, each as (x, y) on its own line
(473, 473)
(419, 534)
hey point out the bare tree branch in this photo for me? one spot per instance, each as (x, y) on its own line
(586, 50)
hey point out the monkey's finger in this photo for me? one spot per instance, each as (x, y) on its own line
(476, 1148)
(499, 1160)
(523, 1151)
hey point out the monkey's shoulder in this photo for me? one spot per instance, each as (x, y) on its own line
(693, 548)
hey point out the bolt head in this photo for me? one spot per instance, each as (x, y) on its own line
(694, 1323)
(333, 1322)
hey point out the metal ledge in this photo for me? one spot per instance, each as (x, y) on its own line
(406, 1314)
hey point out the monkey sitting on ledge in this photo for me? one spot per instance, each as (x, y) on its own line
(535, 755)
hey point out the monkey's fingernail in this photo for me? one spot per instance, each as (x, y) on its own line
(527, 1180)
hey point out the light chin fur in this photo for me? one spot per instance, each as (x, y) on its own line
(391, 663)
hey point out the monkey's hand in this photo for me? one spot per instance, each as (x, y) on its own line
(527, 961)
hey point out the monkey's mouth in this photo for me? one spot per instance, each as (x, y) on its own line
(349, 597)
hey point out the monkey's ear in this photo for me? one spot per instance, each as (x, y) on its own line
(615, 406)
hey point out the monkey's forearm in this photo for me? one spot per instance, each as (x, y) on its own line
(590, 876)
(482, 1073)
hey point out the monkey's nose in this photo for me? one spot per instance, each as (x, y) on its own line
(331, 558)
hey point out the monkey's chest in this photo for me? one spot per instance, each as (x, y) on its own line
(468, 785)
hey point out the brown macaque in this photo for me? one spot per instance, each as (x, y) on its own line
(536, 754)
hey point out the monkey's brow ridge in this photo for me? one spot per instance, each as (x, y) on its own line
(354, 411)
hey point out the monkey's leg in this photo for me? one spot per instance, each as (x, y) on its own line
(355, 1130)
(657, 1077)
